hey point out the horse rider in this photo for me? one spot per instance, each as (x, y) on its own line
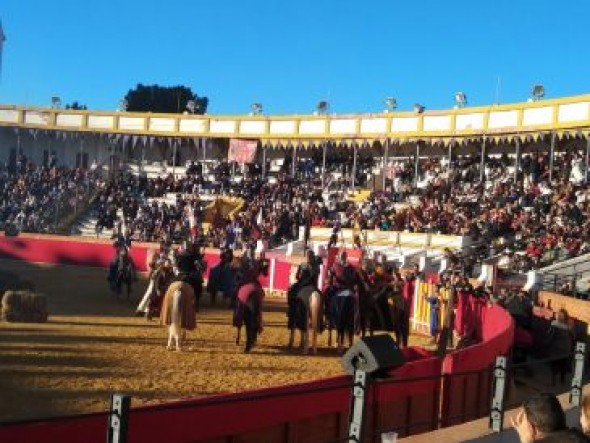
(222, 278)
(191, 267)
(342, 275)
(161, 276)
(306, 277)
(341, 297)
(121, 265)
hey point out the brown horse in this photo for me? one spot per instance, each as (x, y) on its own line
(178, 312)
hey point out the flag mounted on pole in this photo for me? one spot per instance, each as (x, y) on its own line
(2, 40)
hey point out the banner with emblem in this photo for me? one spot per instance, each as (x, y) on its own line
(242, 151)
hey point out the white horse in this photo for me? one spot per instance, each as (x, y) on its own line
(178, 313)
(314, 316)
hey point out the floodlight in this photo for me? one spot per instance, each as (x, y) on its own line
(391, 104)
(538, 92)
(256, 109)
(191, 106)
(322, 107)
(123, 103)
(460, 99)
(55, 102)
(418, 108)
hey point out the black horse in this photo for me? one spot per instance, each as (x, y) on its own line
(122, 272)
(248, 311)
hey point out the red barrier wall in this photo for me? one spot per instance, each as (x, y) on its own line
(467, 372)
(95, 253)
(88, 428)
(66, 251)
(410, 395)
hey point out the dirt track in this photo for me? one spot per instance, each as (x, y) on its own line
(93, 346)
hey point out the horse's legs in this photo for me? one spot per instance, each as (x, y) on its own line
(169, 346)
(291, 338)
(340, 342)
(305, 341)
(239, 328)
(329, 337)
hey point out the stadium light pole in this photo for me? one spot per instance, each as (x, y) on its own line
(391, 104)
(322, 109)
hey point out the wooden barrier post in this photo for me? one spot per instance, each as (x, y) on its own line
(118, 419)
(576, 390)
(357, 407)
(499, 388)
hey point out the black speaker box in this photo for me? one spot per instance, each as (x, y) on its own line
(372, 354)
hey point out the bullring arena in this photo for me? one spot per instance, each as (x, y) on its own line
(57, 377)
(93, 345)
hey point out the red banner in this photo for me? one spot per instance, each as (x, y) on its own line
(242, 151)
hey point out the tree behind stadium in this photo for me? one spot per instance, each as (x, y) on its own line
(164, 99)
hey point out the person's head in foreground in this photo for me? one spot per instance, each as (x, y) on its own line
(541, 418)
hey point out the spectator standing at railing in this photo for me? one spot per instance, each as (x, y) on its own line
(520, 306)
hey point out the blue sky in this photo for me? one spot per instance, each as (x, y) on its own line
(288, 55)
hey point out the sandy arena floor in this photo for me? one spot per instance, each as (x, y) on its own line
(93, 346)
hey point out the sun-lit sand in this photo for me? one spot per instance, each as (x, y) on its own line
(93, 346)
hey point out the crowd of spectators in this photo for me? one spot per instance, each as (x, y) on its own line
(533, 218)
(37, 198)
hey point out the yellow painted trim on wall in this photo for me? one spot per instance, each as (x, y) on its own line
(398, 136)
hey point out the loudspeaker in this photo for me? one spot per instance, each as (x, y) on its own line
(372, 354)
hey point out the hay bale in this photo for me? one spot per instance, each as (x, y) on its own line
(38, 303)
(11, 306)
(24, 306)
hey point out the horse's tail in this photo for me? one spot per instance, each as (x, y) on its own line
(176, 314)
